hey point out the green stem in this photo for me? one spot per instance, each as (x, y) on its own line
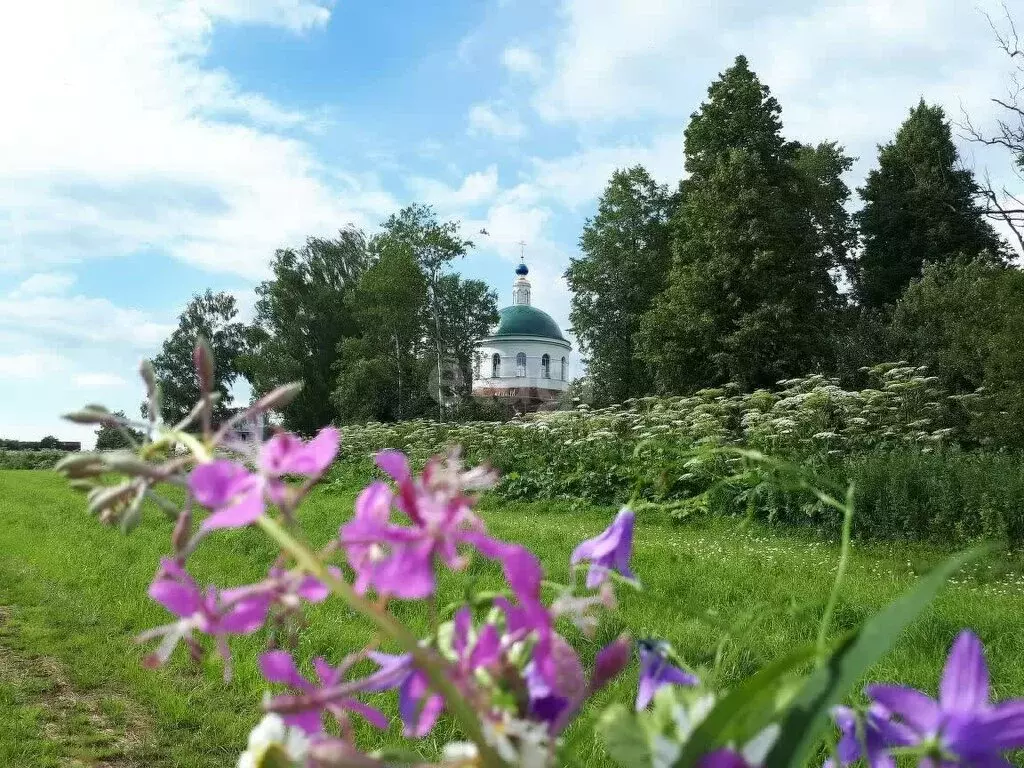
(439, 680)
(844, 558)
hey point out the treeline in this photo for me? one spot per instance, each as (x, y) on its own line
(752, 270)
(377, 327)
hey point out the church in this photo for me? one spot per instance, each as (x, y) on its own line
(525, 359)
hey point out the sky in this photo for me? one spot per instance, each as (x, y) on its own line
(150, 149)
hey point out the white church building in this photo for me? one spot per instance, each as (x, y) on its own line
(525, 359)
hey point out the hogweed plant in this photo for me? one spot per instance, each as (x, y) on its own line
(497, 663)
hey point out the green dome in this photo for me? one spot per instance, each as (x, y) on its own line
(524, 320)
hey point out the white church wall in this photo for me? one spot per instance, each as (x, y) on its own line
(534, 349)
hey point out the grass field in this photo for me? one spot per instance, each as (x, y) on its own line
(72, 596)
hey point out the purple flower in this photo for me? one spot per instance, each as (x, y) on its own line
(722, 758)
(233, 493)
(213, 613)
(285, 454)
(283, 589)
(417, 706)
(238, 496)
(963, 726)
(398, 560)
(306, 710)
(879, 733)
(656, 671)
(610, 661)
(552, 695)
(609, 550)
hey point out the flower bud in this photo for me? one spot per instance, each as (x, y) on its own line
(80, 465)
(91, 414)
(148, 374)
(610, 661)
(277, 398)
(202, 358)
(109, 499)
(128, 463)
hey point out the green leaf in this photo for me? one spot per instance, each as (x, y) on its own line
(625, 738)
(809, 713)
(746, 710)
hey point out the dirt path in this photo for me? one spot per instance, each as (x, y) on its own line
(79, 728)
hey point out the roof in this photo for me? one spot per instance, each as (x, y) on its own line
(524, 320)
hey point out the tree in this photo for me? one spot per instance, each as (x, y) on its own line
(49, 443)
(467, 311)
(379, 375)
(1002, 204)
(110, 438)
(434, 245)
(825, 196)
(963, 321)
(210, 316)
(302, 317)
(625, 258)
(749, 294)
(920, 207)
(391, 371)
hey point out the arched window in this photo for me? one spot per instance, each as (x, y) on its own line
(495, 365)
(521, 364)
(563, 369)
(545, 366)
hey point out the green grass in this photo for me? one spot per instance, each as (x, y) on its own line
(72, 596)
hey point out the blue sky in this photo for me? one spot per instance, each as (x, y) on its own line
(153, 148)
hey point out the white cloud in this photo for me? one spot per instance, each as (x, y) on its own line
(45, 283)
(29, 365)
(827, 62)
(522, 61)
(296, 15)
(580, 177)
(98, 380)
(82, 319)
(495, 119)
(117, 136)
(476, 188)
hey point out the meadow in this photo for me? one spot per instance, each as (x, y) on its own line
(730, 597)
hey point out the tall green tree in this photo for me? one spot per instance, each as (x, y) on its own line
(434, 245)
(210, 316)
(380, 375)
(750, 292)
(302, 317)
(468, 309)
(920, 207)
(625, 258)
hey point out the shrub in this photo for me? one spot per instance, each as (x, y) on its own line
(43, 459)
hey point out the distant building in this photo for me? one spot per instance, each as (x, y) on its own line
(252, 428)
(525, 359)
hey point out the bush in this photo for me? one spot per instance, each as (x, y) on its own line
(43, 459)
(903, 442)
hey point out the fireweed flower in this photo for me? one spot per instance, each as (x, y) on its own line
(551, 698)
(963, 727)
(417, 706)
(398, 560)
(610, 550)
(209, 612)
(283, 588)
(656, 671)
(238, 497)
(306, 710)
